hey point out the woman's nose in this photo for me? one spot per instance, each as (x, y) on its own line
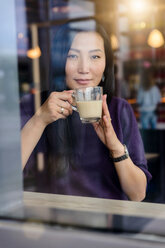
(83, 66)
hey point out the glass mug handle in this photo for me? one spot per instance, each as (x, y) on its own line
(74, 107)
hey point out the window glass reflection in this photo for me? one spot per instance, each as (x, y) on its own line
(129, 29)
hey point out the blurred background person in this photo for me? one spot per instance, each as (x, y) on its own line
(148, 98)
(121, 86)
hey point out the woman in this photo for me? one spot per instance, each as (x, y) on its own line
(88, 160)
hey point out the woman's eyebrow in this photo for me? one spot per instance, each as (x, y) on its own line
(74, 49)
(91, 51)
(95, 50)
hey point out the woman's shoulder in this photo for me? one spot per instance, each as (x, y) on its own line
(29, 97)
(119, 102)
(26, 98)
(121, 108)
(27, 101)
(27, 106)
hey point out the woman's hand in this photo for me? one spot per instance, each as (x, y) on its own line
(57, 106)
(106, 133)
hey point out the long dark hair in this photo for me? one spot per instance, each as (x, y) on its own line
(60, 134)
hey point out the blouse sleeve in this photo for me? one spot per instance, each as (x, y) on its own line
(132, 138)
(26, 112)
(26, 108)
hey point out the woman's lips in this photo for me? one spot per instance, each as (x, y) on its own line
(83, 81)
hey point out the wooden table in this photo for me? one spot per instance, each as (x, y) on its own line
(77, 203)
(73, 221)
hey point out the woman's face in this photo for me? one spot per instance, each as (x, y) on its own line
(85, 61)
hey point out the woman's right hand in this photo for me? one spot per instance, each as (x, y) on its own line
(57, 106)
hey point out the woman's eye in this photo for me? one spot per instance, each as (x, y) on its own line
(72, 56)
(95, 56)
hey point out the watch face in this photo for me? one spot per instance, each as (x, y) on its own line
(126, 150)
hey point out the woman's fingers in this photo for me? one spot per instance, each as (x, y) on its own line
(106, 115)
(64, 95)
(104, 128)
(60, 102)
(64, 105)
(96, 125)
(105, 107)
(56, 106)
(64, 112)
(107, 121)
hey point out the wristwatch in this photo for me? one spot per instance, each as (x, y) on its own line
(123, 157)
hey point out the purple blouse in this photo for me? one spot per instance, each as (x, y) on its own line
(95, 175)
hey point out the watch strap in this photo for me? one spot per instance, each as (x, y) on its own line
(123, 157)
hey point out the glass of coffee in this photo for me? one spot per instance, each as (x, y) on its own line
(89, 103)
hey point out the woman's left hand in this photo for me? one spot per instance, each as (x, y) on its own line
(132, 179)
(105, 131)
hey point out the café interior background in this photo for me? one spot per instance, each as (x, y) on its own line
(137, 32)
